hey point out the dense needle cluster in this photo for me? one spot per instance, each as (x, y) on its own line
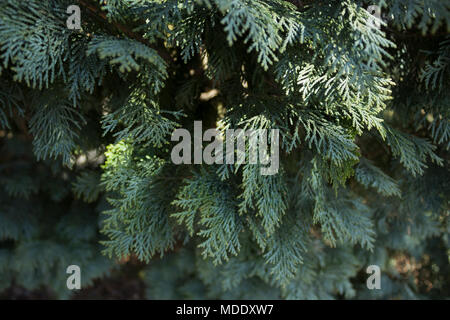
(86, 118)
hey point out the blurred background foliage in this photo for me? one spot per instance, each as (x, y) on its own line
(85, 124)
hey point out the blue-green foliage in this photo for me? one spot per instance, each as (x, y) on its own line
(43, 229)
(364, 140)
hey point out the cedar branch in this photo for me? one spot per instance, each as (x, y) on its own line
(95, 10)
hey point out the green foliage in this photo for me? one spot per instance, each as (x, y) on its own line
(43, 229)
(86, 118)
